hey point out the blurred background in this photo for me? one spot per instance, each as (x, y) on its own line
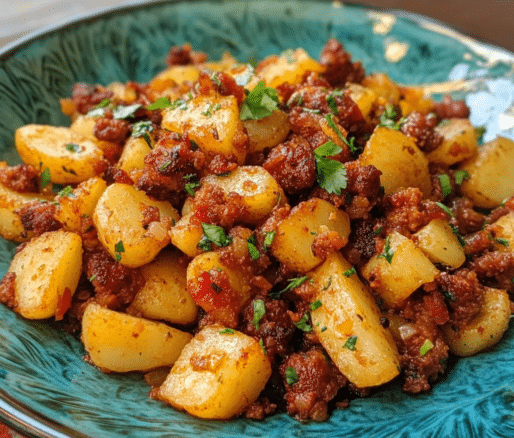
(491, 21)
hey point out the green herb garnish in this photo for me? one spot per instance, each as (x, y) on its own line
(259, 103)
(268, 240)
(331, 174)
(446, 186)
(426, 347)
(350, 343)
(118, 249)
(388, 251)
(291, 376)
(444, 208)
(216, 235)
(293, 283)
(259, 310)
(350, 272)
(315, 305)
(45, 177)
(227, 331)
(461, 176)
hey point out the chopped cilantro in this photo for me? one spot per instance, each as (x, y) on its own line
(215, 79)
(92, 278)
(444, 208)
(164, 102)
(118, 249)
(312, 111)
(331, 174)
(332, 104)
(350, 343)
(124, 112)
(216, 235)
(449, 295)
(227, 331)
(291, 376)
(329, 282)
(260, 103)
(103, 103)
(45, 177)
(426, 347)
(192, 184)
(207, 110)
(268, 240)
(293, 282)
(350, 272)
(315, 305)
(67, 191)
(388, 252)
(303, 324)
(446, 186)
(323, 328)
(143, 129)
(461, 176)
(502, 241)
(259, 310)
(261, 343)
(388, 117)
(72, 147)
(455, 231)
(378, 231)
(350, 143)
(252, 248)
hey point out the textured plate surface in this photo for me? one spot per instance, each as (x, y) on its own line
(47, 390)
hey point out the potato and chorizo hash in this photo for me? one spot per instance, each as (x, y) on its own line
(260, 239)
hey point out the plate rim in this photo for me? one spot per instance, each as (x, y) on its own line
(24, 419)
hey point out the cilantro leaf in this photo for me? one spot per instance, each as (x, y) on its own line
(350, 272)
(388, 117)
(446, 186)
(118, 249)
(72, 147)
(268, 240)
(227, 331)
(426, 347)
(216, 235)
(45, 177)
(455, 231)
(293, 282)
(461, 176)
(350, 143)
(260, 103)
(315, 305)
(259, 310)
(143, 129)
(350, 343)
(330, 174)
(303, 324)
(124, 112)
(444, 208)
(252, 249)
(388, 251)
(291, 376)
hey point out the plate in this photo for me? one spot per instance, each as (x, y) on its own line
(47, 390)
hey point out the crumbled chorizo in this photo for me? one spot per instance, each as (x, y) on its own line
(339, 68)
(22, 178)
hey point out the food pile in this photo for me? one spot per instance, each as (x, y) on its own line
(283, 237)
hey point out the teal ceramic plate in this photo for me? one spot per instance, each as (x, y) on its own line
(46, 390)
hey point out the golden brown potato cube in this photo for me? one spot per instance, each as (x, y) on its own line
(348, 325)
(399, 272)
(70, 157)
(486, 329)
(81, 203)
(289, 67)
(164, 295)
(399, 159)
(133, 155)
(268, 131)
(11, 227)
(119, 342)
(85, 125)
(459, 142)
(174, 75)
(186, 234)
(413, 99)
(212, 122)
(440, 244)
(47, 273)
(363, 97)
(131, 226)
(504, 233)
(491, 173)
(218, 374)
(383, 87)
(296, 234)
(259, 190)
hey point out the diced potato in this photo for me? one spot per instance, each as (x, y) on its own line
(85, 125)
(295, 235)
(47, 273)
(440, 244)
(11, 227)
(133, 155)
(72, 209)
(119, 218)
(212, 122)
(119, 342)
(486, 329)
(259, 190)
(504, 233)
(267, 132)
(383, 87)
(409, 269)
(70, 157)
(459, 142)
(399, 159)
(413, 99)
(289, 67)
(186, 234)
(174, 75)
(363, 97)
(222, 295)
(218, 375)
(348, 312)
(491, 173)
(123, 92)
(164, 295)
